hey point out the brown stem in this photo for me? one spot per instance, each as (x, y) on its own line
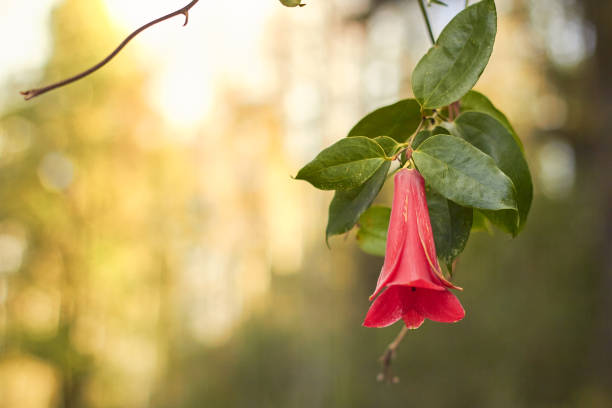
(387, 357)
(32, 93)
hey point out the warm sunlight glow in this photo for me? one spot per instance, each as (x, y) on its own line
(187, 62)
(30, 26)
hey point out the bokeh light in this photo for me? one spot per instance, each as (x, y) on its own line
(155, 251)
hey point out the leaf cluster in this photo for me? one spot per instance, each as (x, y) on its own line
(471, 158)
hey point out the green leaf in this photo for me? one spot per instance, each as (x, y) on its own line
(426, 134)
(464, 174)
(347, 206)
(439, 130)
(494, 139)
(390, 146)
(344, 165)
(481, 223)
(453, 65)
(441, 3)
(373, 226)
(421, 137)
(451, 225)
(474, 101)
(398, 121)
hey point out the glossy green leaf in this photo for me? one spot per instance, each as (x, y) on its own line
(390, 146)
(421, 137)
(347, 206)
(451, 225)
(474, 101)
(373, 226)
(453, 65)
(464, 174)
(494, 139)
(398, 121)
(344, 165)
(425, 134)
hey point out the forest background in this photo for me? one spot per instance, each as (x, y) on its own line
(154, 251)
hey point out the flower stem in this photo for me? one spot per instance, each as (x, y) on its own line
(427, 23)
(387, 357)
(416, 132)
(467, 3)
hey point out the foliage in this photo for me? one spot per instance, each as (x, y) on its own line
(466, 149)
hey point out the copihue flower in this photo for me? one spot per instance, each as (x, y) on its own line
(411, 280)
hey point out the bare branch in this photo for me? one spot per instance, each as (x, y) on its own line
(32, 93)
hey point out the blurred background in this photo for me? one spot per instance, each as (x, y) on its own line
(154, 251)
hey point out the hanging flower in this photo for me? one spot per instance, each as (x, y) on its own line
(411, 281)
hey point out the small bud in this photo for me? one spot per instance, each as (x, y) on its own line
(292, 3)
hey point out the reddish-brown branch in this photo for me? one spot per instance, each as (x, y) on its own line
(32, 93)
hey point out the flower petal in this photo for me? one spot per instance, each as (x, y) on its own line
(386, 309)
(396, 235)
(438, 306)
(413, 319)
(414, 269)
(425, 231)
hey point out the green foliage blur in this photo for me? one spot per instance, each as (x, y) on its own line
(136, 271)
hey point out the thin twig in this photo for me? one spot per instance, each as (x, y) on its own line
(416, 132)
(387, 357)
(427, 23)
(27, 95)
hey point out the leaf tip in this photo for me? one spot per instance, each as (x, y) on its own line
(327, 235)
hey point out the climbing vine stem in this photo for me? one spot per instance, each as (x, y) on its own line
(427, 23)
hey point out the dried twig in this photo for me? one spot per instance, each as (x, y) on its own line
(32, 93)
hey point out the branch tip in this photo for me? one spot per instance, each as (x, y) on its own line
(27, 95)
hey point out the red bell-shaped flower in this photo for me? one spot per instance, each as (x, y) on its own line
(412, 280)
